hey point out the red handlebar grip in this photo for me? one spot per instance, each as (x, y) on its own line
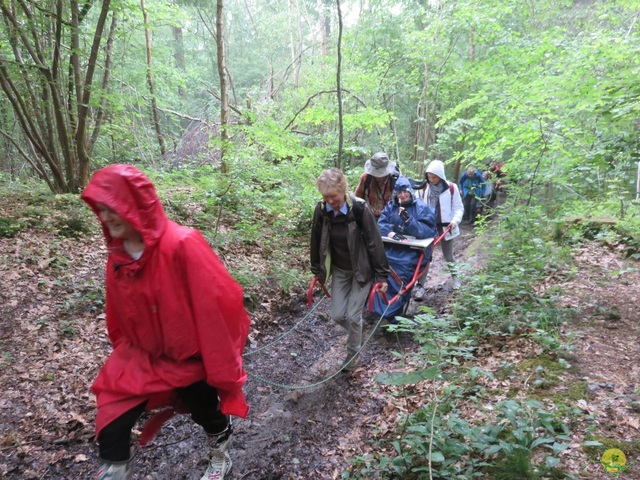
(310, 291)
(374, 290)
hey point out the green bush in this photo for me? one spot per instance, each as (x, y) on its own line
(10, 227)
(500, 299)
(72, 227)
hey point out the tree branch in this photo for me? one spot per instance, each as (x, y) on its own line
(36, 165)
(322, 92)
(185, 116)
(232, 107)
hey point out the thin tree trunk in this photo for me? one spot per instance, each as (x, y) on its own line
(339, 89)
(326, 26)
(638, 184)
(295, 39)
(100, 116)
(224, 93)
(152, 90)
(178, 54)
(83, 107)
(457, 168)
(323, 32)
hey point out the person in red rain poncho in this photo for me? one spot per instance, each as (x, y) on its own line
(176, 320)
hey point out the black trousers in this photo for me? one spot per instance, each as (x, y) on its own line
(200, 398)
(470, 203)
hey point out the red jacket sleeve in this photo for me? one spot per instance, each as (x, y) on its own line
(113, 330)
(222, 323)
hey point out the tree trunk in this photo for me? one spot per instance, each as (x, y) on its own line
(638, 184)
(100, 115)
(339, 89)
(178, 54)
(224, 89)
(83, 107)
(323, 30)
(326, 27)
(152, 90)
(295, 39)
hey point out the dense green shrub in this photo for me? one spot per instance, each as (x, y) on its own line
(10, 227)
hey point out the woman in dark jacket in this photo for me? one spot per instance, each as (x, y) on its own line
(346, 245)
(404, 215)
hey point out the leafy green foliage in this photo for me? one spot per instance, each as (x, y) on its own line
(73, 227)
(519, 438)
(501, 299)
(10, 227)
(38, 209)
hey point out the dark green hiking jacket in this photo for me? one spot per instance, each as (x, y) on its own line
(366, 249)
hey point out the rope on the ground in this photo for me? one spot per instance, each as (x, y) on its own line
(264, 347)
(330, 377)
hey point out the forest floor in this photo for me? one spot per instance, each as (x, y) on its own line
(307, 420)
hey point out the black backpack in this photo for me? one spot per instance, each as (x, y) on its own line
(358, 213)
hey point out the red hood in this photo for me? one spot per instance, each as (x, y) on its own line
(128, 192)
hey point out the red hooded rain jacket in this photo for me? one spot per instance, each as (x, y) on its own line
(174, 317)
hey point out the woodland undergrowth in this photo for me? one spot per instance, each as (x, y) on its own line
(462, 426)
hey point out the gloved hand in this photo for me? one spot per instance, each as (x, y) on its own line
(404, 215)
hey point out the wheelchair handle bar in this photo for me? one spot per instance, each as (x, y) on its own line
(310, 291)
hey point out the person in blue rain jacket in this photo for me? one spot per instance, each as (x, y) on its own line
(472, 187)
(403, 215)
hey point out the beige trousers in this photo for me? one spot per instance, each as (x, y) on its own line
(347, 300)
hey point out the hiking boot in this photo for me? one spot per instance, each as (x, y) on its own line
(219, 459)
(115, 470)
(351, 362)
(455, 283)
(418, 294)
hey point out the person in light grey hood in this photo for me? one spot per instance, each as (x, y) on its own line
(445, 198)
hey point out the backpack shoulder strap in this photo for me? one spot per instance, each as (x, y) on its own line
(367, 184)
(394, 177)
(358, 212)
(451, 190)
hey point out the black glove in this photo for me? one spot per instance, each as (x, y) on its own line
(399, 237)
(404, 215)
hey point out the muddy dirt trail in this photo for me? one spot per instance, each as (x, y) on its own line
(306, 420)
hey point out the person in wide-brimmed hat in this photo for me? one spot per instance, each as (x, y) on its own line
(376, 183)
